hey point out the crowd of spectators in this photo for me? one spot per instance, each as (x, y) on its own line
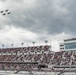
(40, 54)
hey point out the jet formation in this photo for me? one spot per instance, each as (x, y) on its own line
(5, 12)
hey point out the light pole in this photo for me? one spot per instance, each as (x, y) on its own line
(2, 45)
(22, 44)
(51, 44)
(33, 43)
(12, 45)
(46, 41)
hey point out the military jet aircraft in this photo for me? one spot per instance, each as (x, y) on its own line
(6, 10)
(1, 11)
(4, 14)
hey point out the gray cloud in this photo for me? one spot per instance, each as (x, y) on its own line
(3, 0)
(51, 16)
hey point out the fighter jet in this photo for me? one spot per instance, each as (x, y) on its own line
(6, 10)
(4, 14)
(1, 11)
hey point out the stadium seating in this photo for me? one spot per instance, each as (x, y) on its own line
(40, 54)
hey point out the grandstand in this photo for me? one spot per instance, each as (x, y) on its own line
(38, 59)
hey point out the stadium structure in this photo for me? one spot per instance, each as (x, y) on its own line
(68, 44)
(37, 60)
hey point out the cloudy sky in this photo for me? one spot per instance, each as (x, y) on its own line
(37, 20)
